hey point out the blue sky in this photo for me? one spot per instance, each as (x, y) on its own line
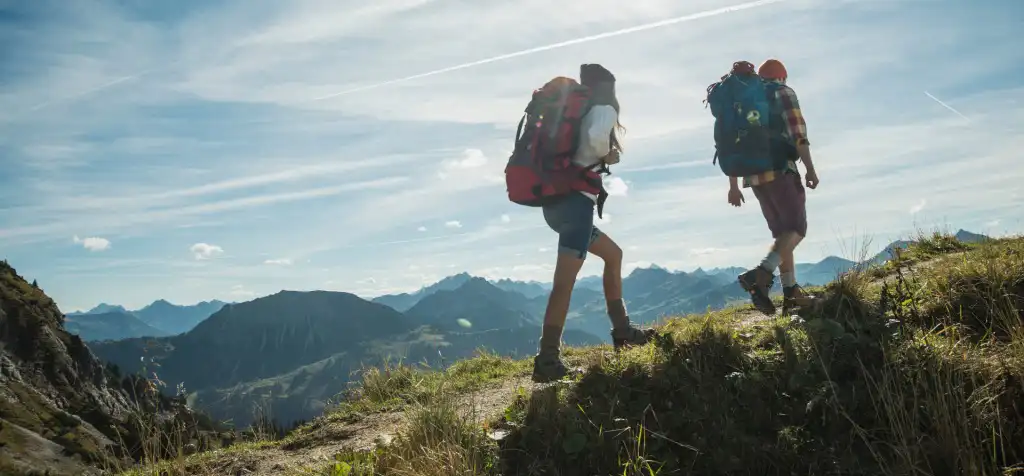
(229, 149)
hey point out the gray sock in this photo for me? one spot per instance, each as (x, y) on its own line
(788, 279)
(550, 340)
(771, 262)
(618, 315)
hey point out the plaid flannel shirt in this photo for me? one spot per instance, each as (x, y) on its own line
(795, 132)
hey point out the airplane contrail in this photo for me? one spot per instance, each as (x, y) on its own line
(585, 39)
(947, 106)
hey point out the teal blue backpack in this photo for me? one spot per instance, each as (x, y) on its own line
(743, 133)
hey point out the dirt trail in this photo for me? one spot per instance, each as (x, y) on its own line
(329, 438)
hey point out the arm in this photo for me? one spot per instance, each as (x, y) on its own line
(735, 195)
(602, 120)
(805, 155)
(796, 129)
(796, 126)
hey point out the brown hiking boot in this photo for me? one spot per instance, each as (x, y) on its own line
(758, 282)
(549, 368)
(795, 297)
(632, 336)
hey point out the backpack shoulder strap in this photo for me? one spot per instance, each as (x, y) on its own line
(519, 129)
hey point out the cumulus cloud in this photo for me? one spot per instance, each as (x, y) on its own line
(505, 218)
(205, 250)
(279, 262)
(421, 229)
(471, 159)
(616, 187)
(93, 243)
(453, 224)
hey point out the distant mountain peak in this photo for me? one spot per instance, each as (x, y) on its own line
(104, 307)
(159, 303)
(457, 278)
(970, 237)
(478, 284)
(653, 270)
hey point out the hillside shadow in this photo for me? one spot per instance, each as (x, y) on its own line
(845, 390)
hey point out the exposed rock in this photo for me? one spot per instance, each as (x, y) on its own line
(61, 409)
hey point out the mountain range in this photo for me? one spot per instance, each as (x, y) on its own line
(159, 319)
(291, 352)
(287, 354)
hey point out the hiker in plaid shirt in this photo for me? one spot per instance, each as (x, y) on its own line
(781, 196)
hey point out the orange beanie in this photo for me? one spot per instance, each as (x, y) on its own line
(772, 69)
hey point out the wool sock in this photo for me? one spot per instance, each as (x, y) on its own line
(771, 262)
(618, 315)
(550, 340)
(788, 279)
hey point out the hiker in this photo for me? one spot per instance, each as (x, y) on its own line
(778, 189)
(568, 189)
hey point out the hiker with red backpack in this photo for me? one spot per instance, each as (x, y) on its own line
(760, 133)
(568, 141)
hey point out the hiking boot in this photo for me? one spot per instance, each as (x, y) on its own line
(795, 297)
(549, 368)
(758, 282)
(632, 336)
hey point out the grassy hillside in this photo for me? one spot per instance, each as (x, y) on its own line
(914, 368)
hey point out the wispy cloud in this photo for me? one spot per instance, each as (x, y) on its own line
(453, 224)
(918, 206)
(279, 262)
(707, 251)
(561, 44)
(86, 92)
(240, 291)
(230, 117)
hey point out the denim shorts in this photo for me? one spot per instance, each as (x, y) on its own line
(573, 219)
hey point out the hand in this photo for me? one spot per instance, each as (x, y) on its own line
(812, 179)
(736, 197)
(612, 158)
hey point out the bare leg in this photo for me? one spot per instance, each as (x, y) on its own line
(566, 269)
(623, 333)
(785, 245)
(606, 249)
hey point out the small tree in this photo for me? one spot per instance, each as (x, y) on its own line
(35, 284)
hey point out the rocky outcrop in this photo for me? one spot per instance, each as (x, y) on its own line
(64, 411)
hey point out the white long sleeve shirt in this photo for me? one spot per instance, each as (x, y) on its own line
(595, 137)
